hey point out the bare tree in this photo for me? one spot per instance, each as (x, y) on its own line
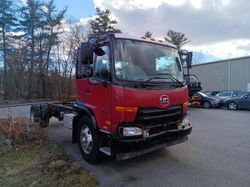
(32, 14)
(39, 60)
(7, 21)
(53, 24)
(77, 35)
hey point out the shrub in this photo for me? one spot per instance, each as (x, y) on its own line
(14, 131)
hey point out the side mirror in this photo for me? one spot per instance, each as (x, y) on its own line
(189, 60)
(99, 51)
(85, 54)
(186, 57)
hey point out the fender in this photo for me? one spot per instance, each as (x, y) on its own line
(81, 111)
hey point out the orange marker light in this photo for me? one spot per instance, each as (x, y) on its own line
(126, 109)
(186, 104)
(185, 107)
(108, 122)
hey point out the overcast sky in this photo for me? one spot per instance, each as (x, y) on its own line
(220, 28)
(217, 27)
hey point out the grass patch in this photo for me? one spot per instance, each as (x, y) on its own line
(39, 162)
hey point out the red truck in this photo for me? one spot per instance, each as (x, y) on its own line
(132, 98)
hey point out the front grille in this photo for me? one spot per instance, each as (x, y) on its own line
(158, 120)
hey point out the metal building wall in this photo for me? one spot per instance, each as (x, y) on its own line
(231, 74)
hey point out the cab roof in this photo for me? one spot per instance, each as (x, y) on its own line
(144, 39)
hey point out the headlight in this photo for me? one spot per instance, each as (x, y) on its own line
(132, 131)
(185, 124)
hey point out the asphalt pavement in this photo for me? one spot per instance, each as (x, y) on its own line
(216, 154)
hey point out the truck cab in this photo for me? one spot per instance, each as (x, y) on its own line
(131, 97)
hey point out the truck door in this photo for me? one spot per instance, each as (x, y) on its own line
(101, 89)
(245, 102)
(83, 71)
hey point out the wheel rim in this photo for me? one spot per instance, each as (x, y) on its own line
(232, 106)
(86, 139)
(206, 105)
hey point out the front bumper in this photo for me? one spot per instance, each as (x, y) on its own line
(125, 148)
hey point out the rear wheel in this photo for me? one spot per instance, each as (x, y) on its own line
(89, 140)
(33, 115)
(207, 104)
(36, 117)
(232, 106)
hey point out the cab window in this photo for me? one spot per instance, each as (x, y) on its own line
(102, 64)
(224, 94)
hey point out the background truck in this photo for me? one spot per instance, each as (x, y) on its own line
(193, 83)
(132, 98)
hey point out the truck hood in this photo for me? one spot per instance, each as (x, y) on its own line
(155, 98)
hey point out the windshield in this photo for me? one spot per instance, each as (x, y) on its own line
(243, 94)
(203, 94)
(141, 61)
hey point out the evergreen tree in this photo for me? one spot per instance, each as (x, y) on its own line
(52, 25)
(103, 23)
(177, 38)
(7, 24)
(32, 21)
(148, 34)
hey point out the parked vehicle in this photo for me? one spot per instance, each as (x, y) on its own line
(206, 101)
(132, 98)
(212, 93)
(241, 102)
(228, 93)
(194, 84)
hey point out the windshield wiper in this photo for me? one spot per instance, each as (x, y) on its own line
(152, 78)
(142, 82)
(172, 77)
(158, 77)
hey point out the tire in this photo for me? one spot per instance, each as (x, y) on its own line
(35, 117)
(44, 123)
(207, 104)
(89, 140)
(232, 106)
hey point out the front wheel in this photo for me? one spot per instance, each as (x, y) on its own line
(89, 140)
(232, 106)
(207, 104)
